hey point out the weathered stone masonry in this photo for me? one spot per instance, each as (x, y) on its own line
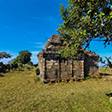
(54, 67)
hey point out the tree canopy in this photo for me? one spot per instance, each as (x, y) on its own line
(22, 58)
(84, 21)
(4, 55)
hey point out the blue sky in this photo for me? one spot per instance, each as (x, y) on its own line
(28, 24)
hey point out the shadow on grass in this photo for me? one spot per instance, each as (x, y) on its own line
(1, 75)
(109, 94)
(105, 74)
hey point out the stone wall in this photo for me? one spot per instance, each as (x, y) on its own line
(91, 64)
(58, 69)
(54, 67)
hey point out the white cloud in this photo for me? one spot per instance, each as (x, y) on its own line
(40, 45)
(34, 58)
(49, 19)
(35, 52)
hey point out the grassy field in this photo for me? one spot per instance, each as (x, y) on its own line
(21, 91)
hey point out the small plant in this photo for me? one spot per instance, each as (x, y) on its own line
(72, 93)
(74, 78)
(37, 71)
(36, 79)
(70, 81)
(50, 83)
(63, 80)
(91, 75)
(97, 75)
(87, 78)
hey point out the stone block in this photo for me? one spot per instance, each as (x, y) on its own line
(55, 67)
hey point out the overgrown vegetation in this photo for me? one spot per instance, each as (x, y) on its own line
(24, 57)
(2, 66)
(21, 90)
(4, 55)
(83, 22)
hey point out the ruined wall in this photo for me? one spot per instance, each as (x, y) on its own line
(78, 69)
(54, 67)
(91, 64)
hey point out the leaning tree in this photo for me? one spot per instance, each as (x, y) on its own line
(83, 22)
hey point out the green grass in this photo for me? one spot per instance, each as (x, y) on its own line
(106, 70)
(19, 92)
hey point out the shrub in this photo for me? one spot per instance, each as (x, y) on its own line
(97, 75)
(36, 79)
(37, 71)
(20, 65)
(2, 67)
(87, 78)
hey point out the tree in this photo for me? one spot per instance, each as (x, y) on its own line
(106, 62)
(22, 58)
(84, 21)
(4, 55)
(2, 66)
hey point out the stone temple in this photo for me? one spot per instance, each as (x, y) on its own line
(54, 67)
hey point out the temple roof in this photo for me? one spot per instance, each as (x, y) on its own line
(55, 43)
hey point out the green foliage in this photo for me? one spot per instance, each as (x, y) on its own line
(2, 67)
(15, 61)
(83, 21)
(23, 58)
(20, 64)
(30, 63)
(37, 71)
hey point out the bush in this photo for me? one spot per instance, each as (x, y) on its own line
(30, 63)
(2, 67)
(87, 78)
(37, 71)
(20, 65)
